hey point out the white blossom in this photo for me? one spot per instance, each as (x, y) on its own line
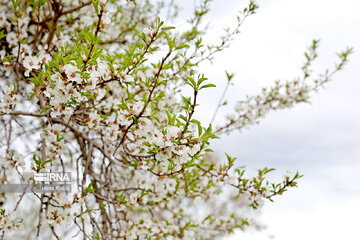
(11, 38)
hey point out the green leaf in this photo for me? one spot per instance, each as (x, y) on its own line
(229, 76)
(2, 34)
(97, 236)
(201, 79)
(15, 3)
(181, 46)
(88, 189)
(171, 119)
(35, 81)
(199, 126)
(167, 28)
(87, 94)
(103, 116)
(58, 30)
(230, 159)
(96, 5)
(190, 81)
(208, 85)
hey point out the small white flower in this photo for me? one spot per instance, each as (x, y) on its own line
(129, 78)
(55, 114)
(16, 98)
(95, 75)
(44, 57)
(68, 112)
(42, 48)
(103, 70)
(145, 199)
(2, 18)
(30, 63)
(149, 32)
(239, 107)
(133, 197)
(230, 116)
(23, 21)
(72, 73)
(25, 49)
(7, 90)
(11, 38)
(170, 185)
(287, 175)
(69, 69)
(94, 119)
(136, 108)
(2, 54)
(57, 127)
(172, 132)
(106, 19)
(51, 221)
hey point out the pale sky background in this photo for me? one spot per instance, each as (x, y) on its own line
(321, 140)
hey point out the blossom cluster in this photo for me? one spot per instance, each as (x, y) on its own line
(10, 99)
(100, 89)
(9, 222)
(280, 96)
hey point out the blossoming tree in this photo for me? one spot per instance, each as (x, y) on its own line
(96, 88)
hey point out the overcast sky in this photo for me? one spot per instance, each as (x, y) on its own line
(321, 140)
